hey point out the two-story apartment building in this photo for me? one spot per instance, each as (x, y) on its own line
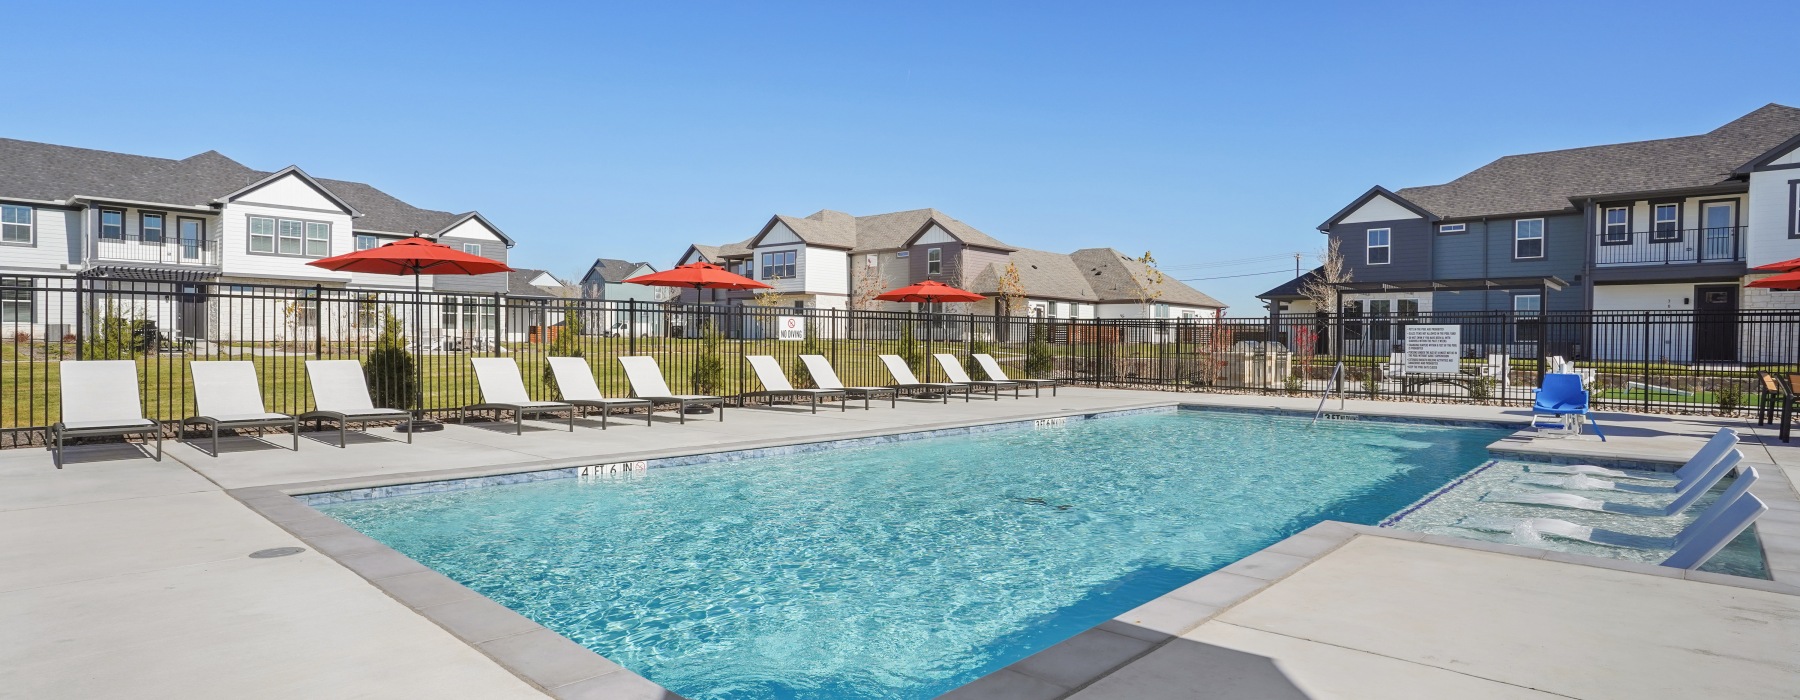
(1665, 225)
(605, 281)
(830, 260)
(209, 225)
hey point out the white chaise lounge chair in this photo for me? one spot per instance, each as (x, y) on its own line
(826, 378)
(775, 384)
(503, 390)
(94, 405)
(1708, 455)
(647, 383)
(996, 373)
(905, 381)
(954, 371)
(1685, 492)
(575, 380)
(1720, 523)
(228, 397)
(341, 394)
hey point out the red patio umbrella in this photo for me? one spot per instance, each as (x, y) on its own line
(929, 291)
(700, 275)
(413, 256)
(1783, 266)
(1789, 281)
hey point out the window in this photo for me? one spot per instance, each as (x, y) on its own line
(1617, 226)
(468, 314)
(934, 261)
(1527, 317)
(1453, 228)
(1666, 222)
(306, 309)
(15, 224)
(262, 234)
(472, 248)
(150, 227)
(1528, 238)
(16, 304)
(366, 242)
(1793, 208)
(1159, 311)
(1379, 251)
(112, 224)
(779, 264)
(292, 234)
(1379, 326)
(318, 239)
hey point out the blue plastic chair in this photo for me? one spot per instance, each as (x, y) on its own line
(1562, 395)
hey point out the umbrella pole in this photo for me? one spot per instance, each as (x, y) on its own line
(419, 422)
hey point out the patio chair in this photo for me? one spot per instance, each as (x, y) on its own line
(1708, 455)
(341, 394)
(503, 390)
(994, 372)
(94, 405)
(826, 378)
(1686, 493)
(228, 397)
(1776, 404)
(647, 383)
(775, 384)
(905, 381)
(1716, 527)
(1561, 398)
(953, 370)
(575, 380)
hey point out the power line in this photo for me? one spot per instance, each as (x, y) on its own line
(1226, 277)
(1231, 263)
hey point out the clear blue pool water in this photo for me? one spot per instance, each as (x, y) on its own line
(904, 570)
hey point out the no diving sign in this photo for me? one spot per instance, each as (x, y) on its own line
(791, 328)
(1433, 349)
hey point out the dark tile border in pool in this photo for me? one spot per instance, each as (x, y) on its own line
(566, 670)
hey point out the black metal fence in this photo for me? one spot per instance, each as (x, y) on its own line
(1649, 361)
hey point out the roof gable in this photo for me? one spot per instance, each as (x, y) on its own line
(290, 186)
(1377, 202)
(473, 225)
(612, 270)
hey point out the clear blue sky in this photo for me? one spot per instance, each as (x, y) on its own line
(600, 129)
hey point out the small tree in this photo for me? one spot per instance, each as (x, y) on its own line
(565, 341)
(1150, 288)
(113, 337)
(865, 285)
(1010, 290)
(1039, 360)
(708, 375)
(910, 350)
(392, 376)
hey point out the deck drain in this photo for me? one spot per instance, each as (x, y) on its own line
(276, 552)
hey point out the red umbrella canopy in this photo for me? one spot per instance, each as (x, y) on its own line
(1789, 281)
(1783, 266)
(412, 256)
(929, 291)
(698, 275)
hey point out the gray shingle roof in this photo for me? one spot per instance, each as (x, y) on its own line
(1044, 275)
(610, 270)
(31, 170)
(889, 231)
(1545, 182)
(1291, 288)
(1117, 277)
(518, 284)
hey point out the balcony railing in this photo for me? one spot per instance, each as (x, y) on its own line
(1671, 247)
(134, 248)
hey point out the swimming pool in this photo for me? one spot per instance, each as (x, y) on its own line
(905, 570)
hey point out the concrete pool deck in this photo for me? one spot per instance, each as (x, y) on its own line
(120, 577)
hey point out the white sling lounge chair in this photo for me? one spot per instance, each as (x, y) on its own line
(228, 397)
(341, 394)
(826, 378)
(775, 383)
(575, 380)
(1686, 493)
(647, 383)
(1720, 523)
(994, 372)
(502, 390)
(905, 381)
(94, 405)
(1708, 455)
(953, 370)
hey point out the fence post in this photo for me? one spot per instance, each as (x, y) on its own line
(318, 320)
(737, 324)
(80, 320)
(500, 323)
(1645, 362)
(631, 324)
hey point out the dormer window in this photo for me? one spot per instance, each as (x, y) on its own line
(934, 261)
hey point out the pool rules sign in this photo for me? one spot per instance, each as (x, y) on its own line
(1433, 349)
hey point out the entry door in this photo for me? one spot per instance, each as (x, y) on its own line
(192, 235)
(1715, 323)
(1718, 231)
(190, 311)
